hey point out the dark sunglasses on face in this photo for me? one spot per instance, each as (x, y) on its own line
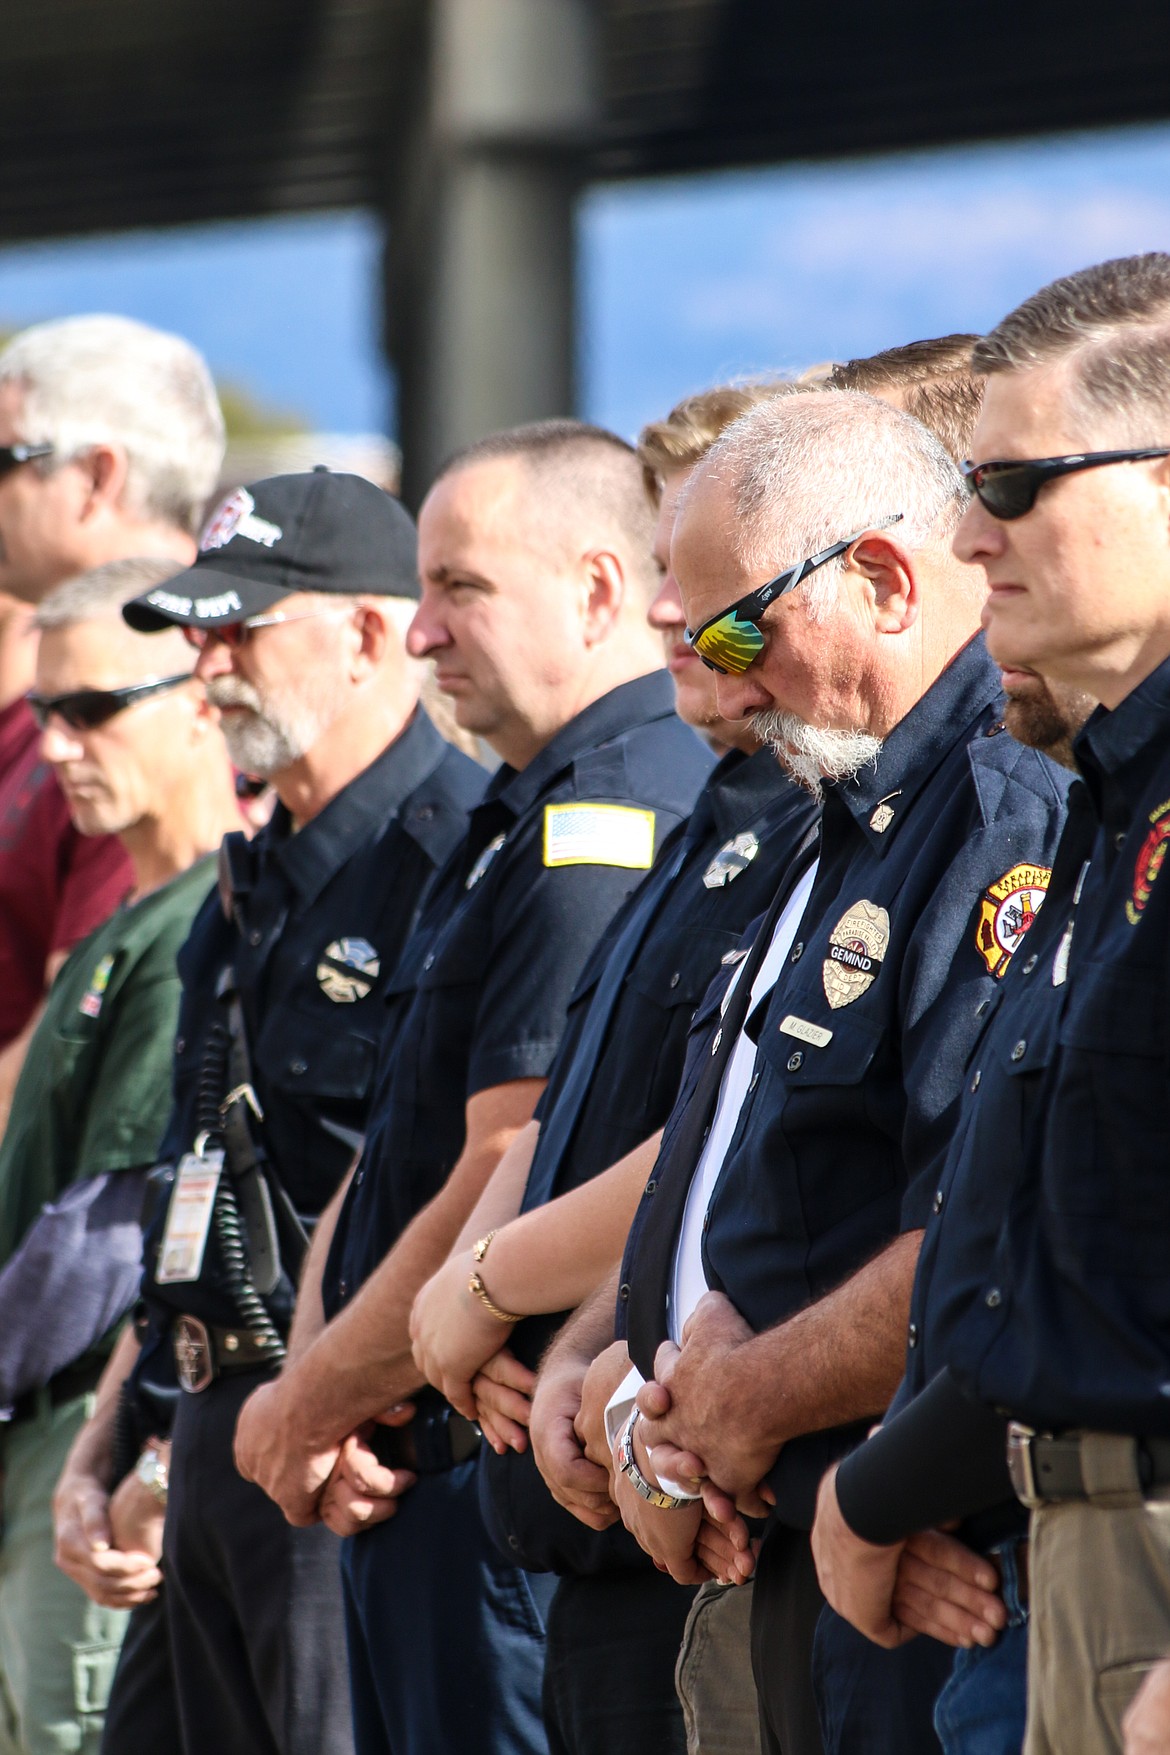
(12, 456)
(233, 635)
(1008, 488)
(86, 709)
(731, 640)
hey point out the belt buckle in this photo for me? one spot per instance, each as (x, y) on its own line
(194, 1359)
(1022, 1464)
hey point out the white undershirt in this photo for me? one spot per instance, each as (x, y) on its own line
(688, 1278)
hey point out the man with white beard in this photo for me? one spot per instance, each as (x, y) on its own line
(297, 605)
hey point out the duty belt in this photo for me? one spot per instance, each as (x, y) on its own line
(204, 1352)
(1050, 1468)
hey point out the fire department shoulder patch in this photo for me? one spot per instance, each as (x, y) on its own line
(1149, 862)
(1006, 912)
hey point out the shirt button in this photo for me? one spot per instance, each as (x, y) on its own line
(994, 1298)
(1030, 963)
(651, 1186)
(753, 1081)
(912, 1337)
(1020, 1049)
(424, 813)
(343, 1287)
(624, 1293)
(938, 1201)
(797, 952)
(674, 979)
(1119, 838)
(977, 1080)
(428, 960)
(359, 1177)
(717, 1041)
(795, 1061)
(298, 1067)
(180, 1044)
(254, 936)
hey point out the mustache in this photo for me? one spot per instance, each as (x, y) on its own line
(233, 691)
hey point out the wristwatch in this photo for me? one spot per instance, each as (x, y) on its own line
(629, 1468)
(153, 1471)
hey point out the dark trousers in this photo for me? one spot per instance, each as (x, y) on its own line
(613, 1641)
(824, 1689)
(143, 1713)
(446, 1640)
(253, 1609)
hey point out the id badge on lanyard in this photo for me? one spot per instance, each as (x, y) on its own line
(180, 1256)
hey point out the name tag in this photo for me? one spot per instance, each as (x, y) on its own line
(806, 1032)
(180, 1258)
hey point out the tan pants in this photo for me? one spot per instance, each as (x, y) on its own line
(713, 1675)
(1100, 1618)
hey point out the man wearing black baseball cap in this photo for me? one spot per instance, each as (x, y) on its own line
(297, 603)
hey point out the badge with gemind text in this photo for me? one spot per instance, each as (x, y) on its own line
(857, 945)
(1006, 912)
(348, 969)
(730, 860)
(180, 1256)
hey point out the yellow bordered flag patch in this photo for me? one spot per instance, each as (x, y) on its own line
(599, 834)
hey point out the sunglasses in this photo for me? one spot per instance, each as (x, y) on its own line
(86, 709)
(732, 640)
(235, 634)
(12, 456)
(1008, 488)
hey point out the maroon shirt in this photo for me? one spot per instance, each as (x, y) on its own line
(55, 884)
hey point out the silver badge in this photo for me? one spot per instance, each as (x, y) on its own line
(348, 969)
(730, 860)
(484, 860)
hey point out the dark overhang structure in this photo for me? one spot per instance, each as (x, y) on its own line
(471, 125)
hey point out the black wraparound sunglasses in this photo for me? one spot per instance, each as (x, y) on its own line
(12, 456)
(86, 709)
(1008, 487)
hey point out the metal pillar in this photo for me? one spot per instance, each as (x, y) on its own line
(479, 270)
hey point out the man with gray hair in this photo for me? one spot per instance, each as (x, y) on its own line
(764, 1290)
(138, 752)
(111, 440)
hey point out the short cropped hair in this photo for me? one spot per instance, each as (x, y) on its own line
(1112, 321)
(805, 471)
(581, 473)
(109, 380)
(935, 382)
(688, 432)
(101, 592)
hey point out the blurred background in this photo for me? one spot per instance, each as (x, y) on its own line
(393, 224)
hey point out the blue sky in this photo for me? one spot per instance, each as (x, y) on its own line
(683, 282)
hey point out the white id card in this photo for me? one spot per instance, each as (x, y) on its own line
(180, 1258)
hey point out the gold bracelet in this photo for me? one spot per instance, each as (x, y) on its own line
(480, 1249)
(476, 1286)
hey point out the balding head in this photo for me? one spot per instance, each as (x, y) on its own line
(536, 567)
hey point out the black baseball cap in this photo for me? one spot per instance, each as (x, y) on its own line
(311, 532)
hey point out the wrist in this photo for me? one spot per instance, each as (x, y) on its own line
(478, 1289)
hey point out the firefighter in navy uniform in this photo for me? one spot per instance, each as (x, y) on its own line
(283, 980)
(536, 568)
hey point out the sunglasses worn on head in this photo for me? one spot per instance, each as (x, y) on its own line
(86, 709)
(12, 456)
(234, 634)
(1008, 488)
(731, 640)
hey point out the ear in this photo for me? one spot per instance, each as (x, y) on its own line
(889, 570)
(605, 594)
(107, 468)
(374, 630)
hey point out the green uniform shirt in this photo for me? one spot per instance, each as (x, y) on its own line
(95, 1090)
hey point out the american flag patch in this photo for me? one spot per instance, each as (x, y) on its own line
(599, 834)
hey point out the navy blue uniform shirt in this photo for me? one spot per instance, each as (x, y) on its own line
(319, 918)
(932, 864)
(1072, 1328)
(480, 993)
(617, 1072)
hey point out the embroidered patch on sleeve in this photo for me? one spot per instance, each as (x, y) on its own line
(599, 834)
(1006, 912)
